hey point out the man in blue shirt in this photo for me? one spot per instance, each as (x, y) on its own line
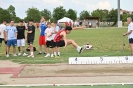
(42, 39)
(11, 37)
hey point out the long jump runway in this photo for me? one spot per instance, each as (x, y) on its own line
(66, 70)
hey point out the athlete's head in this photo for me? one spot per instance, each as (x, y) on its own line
(49, 24)
(68, 29)
(5, 22)
(21, 22)
(42, 19)
(129, 20)
(11, 23)
(31, 22)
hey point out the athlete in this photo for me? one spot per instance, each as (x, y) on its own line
(61, 40)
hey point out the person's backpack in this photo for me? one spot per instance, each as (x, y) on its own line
(34, 49)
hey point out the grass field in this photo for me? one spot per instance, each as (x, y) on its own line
(110, 86)
(107, 41)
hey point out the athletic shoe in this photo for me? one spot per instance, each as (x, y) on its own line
(52, 55)
(44, 53)
(48, 55)
(82, 49)
(14, 55)
(25, 54)
(19, 54)
(31, 56)
(7, 55)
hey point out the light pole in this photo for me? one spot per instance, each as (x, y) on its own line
(119, 21)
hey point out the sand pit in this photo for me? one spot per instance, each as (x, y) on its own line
(76, 70)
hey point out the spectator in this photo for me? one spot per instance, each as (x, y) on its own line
(11, 37)
(54, 32)
(49, 39)
(2, 33)
(42, 39)
(80, 23)
(31, 37)
(21, 37)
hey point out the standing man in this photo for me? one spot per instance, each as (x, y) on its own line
(11, 37)
(54, 32)
(21, 37)
(2, 30)
(130, 33)
(42, 39)
(30, 37)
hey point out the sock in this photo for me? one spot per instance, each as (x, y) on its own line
(31, 53)
(78, 48)
(55, 53)
(59, 53)
(40, 51)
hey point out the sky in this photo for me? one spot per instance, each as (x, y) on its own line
(79, 5)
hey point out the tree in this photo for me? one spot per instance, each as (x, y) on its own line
(33, 13)
(4, 14)
(11, 10)
(100, 13)
(58, 13)
(84, 14)
(113, 15)
(124, 17)
(17, 19)
(72, 14)
(46, 13)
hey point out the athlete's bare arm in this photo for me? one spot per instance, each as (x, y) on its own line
(29, 31)
(6, 35)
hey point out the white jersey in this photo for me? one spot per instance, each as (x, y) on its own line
(57, 29)
(2, 28)
(48, 32)
(130, 27)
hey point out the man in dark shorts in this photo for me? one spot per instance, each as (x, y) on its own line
(2, 33)
(61, 40)
(130, 33)
(2, 29)
(30, 37)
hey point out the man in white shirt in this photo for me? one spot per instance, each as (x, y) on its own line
(130, 33)
(2, 30)
(49, 38)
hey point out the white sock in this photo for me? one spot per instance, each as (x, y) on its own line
(31, 53)
(48, 53)
(40, 51)
(78, 48)
(55, 53)
(59, 53)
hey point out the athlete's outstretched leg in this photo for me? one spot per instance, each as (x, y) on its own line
(76, 46)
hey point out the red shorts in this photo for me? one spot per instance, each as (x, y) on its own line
(42, 40)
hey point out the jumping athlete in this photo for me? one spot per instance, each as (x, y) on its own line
(61, 40)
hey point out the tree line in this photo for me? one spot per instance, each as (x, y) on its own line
(60, 12)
